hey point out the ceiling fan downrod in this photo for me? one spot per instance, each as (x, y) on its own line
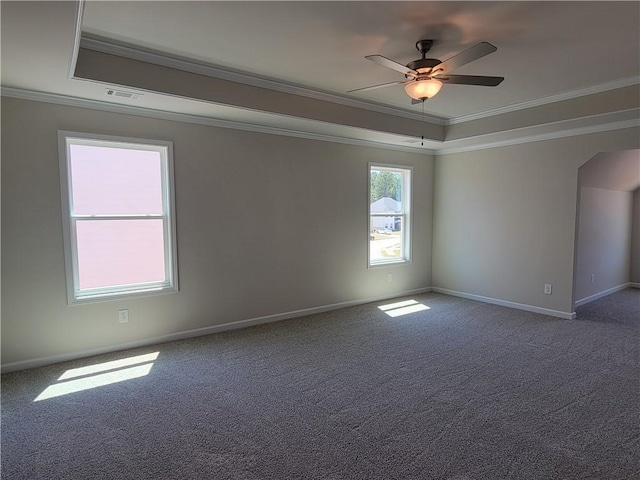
(424, 46)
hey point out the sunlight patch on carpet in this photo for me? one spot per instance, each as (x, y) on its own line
(115, 372)
(103, 367)
(406, 307)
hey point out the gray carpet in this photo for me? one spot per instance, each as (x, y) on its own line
(461, 391)
(623, 308)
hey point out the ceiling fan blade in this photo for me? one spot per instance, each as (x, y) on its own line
(467, 56)
(470, 80)
(385, 62)
(373, 87)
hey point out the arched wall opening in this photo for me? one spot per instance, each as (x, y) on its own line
(607, 245)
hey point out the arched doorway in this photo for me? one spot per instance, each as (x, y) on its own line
(607, 244)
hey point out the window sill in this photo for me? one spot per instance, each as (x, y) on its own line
(111, 296)
(388, 263)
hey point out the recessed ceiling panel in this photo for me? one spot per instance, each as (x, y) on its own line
(544, 48)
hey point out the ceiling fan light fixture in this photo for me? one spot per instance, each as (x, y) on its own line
(423, 89)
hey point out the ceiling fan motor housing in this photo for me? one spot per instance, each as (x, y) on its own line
(424, 65)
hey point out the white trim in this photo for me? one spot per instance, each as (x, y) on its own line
(634, 284)
(186, 65)
(625, 82)
(505, 303)
(627, 114)
(604, 293)
(214, 122)
(407, 220)
(77, 295)
(76, 39)
(199, 120)
(198, 332)
(569, 132)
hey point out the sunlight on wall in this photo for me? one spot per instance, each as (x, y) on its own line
(115, 372)
(403, 308)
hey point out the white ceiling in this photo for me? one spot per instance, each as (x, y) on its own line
(545, 50)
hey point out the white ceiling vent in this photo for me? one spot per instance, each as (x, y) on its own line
(111, 92)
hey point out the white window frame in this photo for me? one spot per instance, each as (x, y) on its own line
(405, 214)
(75, 294)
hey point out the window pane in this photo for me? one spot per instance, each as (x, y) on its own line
(385, 239)
(386, 191)
(120, 252)
(115, 181)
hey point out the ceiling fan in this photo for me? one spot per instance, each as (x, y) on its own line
(425, 77)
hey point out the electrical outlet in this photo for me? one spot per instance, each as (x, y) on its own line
(389, 277)
(123, 316)
(593, 278)
(547, 288)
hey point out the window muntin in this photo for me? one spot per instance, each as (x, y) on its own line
(389, 209)
(119, 216)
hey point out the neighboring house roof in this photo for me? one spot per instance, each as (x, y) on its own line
(385, 204)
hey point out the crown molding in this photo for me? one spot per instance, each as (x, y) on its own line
(540, 137)
(606, 122)
(624, 82)
(200, 120)
(556, 126)
(135, 53)
(77, 36)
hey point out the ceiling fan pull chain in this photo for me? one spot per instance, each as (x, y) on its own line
(422, 138)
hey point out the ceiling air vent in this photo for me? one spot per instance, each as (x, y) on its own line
(111, 92)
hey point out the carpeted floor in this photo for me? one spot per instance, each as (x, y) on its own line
(622, 308)
(459, 391)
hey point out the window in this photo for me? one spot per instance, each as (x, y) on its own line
(118, 214)
(389, 214)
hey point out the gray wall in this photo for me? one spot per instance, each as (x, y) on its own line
(504, 218)
(635, 239)
(604, 241)
(266, 225)
(269, 225)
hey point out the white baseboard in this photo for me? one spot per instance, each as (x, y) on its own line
(604, 293)
(44, 361)
(505, 303)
